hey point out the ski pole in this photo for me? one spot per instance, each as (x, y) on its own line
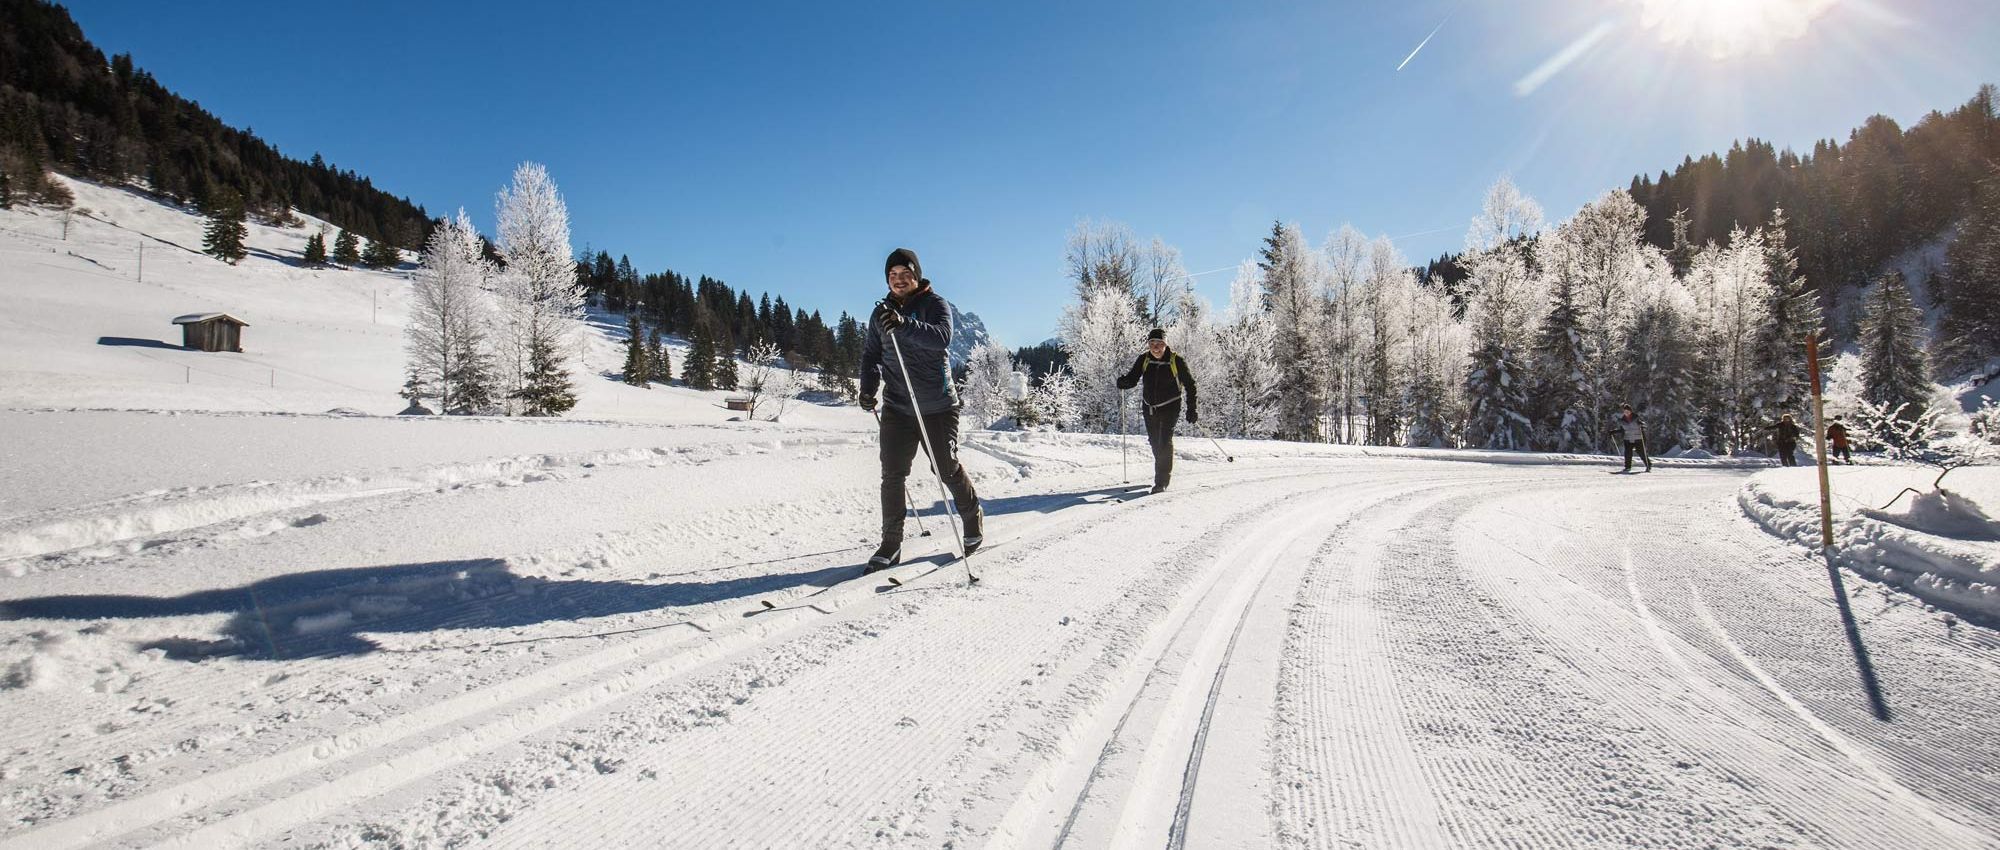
(930, 454)
(1218, 443)
(1124, 456)
(907, 498)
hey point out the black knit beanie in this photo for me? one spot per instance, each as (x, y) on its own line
(903, 257)
(1157, 333)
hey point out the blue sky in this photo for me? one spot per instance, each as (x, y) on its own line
(787, 148)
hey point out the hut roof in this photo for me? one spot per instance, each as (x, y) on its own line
(198, 318)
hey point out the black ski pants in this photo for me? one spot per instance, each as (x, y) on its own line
(1640, 446)
(900, 441)
(1785, 454)
(1160, 433)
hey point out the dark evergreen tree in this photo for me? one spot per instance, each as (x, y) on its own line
(1969, 289)
(547, 391)
(658, 360)
(1497, 389)
(638, 372)
(472, 379)
(223, 236)
(725, 364)
(315, 255)
(381, 255)
(346, 249)
(1893, 370)
(698, 369)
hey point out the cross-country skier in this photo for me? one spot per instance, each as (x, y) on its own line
(1787, 439)
(1628, 427)
(921, 323)
(1836, 441)
(1164, 381)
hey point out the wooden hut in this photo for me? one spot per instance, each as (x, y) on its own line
(211, 331)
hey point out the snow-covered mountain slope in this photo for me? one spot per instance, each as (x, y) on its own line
(86, 323)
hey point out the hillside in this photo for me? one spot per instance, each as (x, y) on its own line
(85, 329)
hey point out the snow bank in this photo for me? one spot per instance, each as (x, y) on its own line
(1943, 548)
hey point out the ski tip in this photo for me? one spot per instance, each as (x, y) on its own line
(893, 580)
(767, 604)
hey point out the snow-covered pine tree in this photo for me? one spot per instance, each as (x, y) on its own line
(1731, 293)
(1242, 403)
(1193, 337)
(989, 371)
(1791, 311)
(1605, 238)
(1560, 389)
(541, 298)
(346, 249)
(223, 235)
(1893, 367)
(315, 253)
(1103, 335)
(547, 390)
(659, 363)
(1292, 278)
(446, 335)
(1660, 374)
(1502, 304)
(638, 372)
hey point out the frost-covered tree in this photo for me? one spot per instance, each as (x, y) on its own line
(1506, 215)
(1501, 307)
(223, 235)
(1731, 292)
(1563, 394)
(770, 388)
(1101, 254)
(1292, 275)
(1605, 245)
(1433, 402)
(1103, 335)
(984, 397)
(542, 302)
(1346, 261)
(1385, 371)
(546, 391)
(1893, 367)
(1194, 336)
(638, 372)
(1243, 401)
(1163, 283)
(1791, 312)
(445, 339)
(1054, 400)
(1661, 361)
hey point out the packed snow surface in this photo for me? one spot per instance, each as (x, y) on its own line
(230, 618)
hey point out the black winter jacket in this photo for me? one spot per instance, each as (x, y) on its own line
(925, 339)
(1160, 378)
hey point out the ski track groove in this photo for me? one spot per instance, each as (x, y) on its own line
(751, 825)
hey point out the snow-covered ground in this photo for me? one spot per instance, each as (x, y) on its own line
(230, 618)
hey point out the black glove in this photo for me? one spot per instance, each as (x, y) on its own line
(886, 317)
(868, 402)
(1192, 419)
(1125, 383)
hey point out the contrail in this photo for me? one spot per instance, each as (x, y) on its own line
(1427, 40)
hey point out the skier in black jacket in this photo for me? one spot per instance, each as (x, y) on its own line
(1167, 380)
(921, 322)
(1787, 438)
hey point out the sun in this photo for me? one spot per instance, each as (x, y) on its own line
(1728, 28)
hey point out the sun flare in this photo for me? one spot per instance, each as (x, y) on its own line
(1727, 28)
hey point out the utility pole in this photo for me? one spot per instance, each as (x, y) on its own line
(142, 261)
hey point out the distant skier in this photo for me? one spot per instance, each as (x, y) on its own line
(921, 323)
(1836, 440)
(1628, 427)
(1166, 381)
(1787, 439)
